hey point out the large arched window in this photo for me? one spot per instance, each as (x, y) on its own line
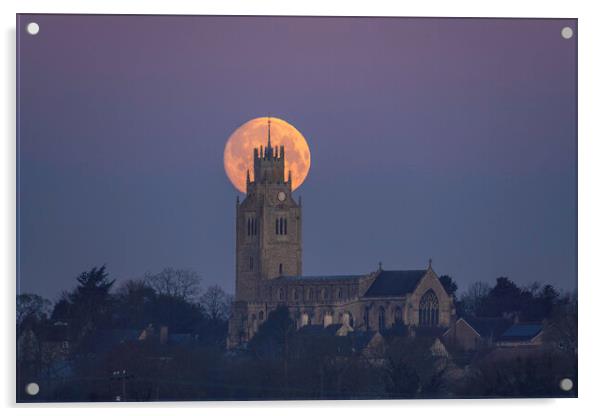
(429, 309)
(381, 319)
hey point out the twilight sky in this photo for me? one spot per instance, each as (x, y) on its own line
(446, 138)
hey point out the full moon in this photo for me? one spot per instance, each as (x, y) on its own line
(238, 154)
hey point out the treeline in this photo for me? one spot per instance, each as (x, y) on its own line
(55, 340)
(280, 362)
(532, 303)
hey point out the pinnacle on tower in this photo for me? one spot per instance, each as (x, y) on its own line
(268, 149)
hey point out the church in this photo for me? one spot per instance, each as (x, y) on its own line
(269, 270)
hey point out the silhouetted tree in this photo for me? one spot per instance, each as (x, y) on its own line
(474, 297)
(182, 283)
(449, 284)
(31, 310)
(216, 303)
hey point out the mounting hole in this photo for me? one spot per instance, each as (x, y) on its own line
(566, 384)
(33, 28)
(566, 32)
(32, 389)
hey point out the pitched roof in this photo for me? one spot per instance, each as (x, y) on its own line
(394, 283)
(522, 332)
(488, 327)
(320, 278)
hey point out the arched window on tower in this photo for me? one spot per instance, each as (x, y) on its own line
(285, 226)
(381, 319)
(251, 263)
(280, 269)
(428, 313)
(277, 228)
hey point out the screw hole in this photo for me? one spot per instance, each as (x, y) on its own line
(33, 28)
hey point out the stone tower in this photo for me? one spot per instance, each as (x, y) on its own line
(268, 225)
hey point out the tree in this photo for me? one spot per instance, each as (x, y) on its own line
(182, 283)
(134, 302)
(90, 301)
(31, 309)
(273, 335)
(505, 296)
(474, 297)
(448, 284)
(216, 303)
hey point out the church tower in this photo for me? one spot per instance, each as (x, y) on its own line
(268, 225)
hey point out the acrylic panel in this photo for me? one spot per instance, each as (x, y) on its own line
(285, 208)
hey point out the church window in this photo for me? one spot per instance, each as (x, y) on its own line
(310, 295)
(340, 293)
(428, 313)
(285, 226)
(251, 263)
(261, 315)
(281, 294)
(255, 226)
(296, 294)
(398, 316)
(277, 229)
(280, 269)
(367, 318)
(381, 319)
(324, 293)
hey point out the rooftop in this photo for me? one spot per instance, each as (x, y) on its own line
(320, 278)
(394, 283)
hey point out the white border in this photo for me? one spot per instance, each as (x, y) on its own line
(590, 183)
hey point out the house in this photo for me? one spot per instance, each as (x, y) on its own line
(470, 333)
(522, 334)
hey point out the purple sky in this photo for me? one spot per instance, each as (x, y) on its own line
(446, 138)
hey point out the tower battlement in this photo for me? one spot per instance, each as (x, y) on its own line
(268, 165)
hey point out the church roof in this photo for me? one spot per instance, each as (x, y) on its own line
(394, 283)
(320, 278)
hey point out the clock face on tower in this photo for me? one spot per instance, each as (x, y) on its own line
(281, 196)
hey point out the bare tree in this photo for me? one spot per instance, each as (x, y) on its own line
(474, 296)
(31, 306)
(216, 303)
(182, 283)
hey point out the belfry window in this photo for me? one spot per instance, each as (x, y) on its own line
(252, 226)
(280, 269)
(428, 314)
(281, 226)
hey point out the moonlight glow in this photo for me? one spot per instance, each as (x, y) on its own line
(238, 154)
